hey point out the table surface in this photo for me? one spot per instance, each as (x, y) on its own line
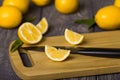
(58, 23)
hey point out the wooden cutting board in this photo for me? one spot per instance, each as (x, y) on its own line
(76, 65)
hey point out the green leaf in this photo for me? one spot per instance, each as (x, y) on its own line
(29, 19)
(89, 22)
(16, 45)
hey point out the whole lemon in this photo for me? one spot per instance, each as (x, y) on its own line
(10, 17)
(108, 17)
(23, 5)
(117, 3)
(41, 2)
(66, 6)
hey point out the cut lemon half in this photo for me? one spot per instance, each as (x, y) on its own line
(43, 25)
(73, 37)
(56, 54)
(29, 34)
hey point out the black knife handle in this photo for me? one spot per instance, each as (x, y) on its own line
(97, 51)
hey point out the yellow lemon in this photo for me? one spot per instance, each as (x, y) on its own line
(29, 34)
(41, 2)
(23, 5)
(117, 3)
(108, 17)
(73, 37)
(56, 54)
(43, 25)
(66, 6)
(10, 17)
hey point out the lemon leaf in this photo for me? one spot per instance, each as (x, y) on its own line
(29, 19)
(16, 45)
(89, 22)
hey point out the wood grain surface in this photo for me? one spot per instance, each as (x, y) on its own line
(58, 22)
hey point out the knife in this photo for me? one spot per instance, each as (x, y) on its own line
(81, 50)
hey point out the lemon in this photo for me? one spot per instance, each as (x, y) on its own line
(108, 17)
(10, 17)
(117, 3)
(66, 6)
(73, 37)
(43, 25)
(29, 34)
(56, 54)
(23, 5)
(41, 2)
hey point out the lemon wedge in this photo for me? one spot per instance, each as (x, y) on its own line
(43, 25)
(73, 37)
(56, 54)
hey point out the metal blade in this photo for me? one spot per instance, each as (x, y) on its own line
(35, 48)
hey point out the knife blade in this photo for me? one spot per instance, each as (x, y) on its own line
(81, 50)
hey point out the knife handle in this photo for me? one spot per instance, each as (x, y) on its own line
(97, 51)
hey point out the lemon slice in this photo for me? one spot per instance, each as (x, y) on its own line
(29, 34)
(73, 37)
(43, 25)
(56, 54)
